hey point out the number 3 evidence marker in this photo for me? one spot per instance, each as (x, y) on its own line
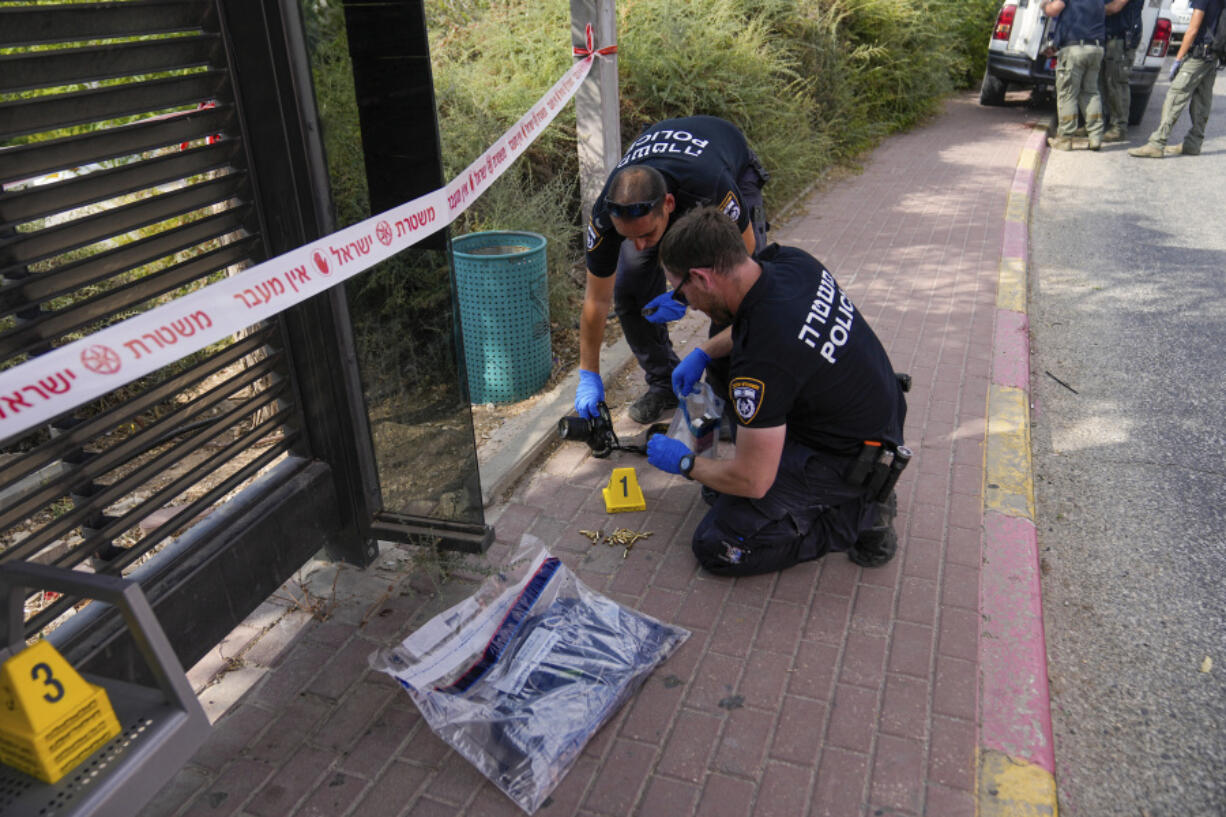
(623, 492)
(51, 719)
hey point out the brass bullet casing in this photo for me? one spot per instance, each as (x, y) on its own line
(621, 537)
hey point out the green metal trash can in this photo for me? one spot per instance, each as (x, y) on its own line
(503, 287)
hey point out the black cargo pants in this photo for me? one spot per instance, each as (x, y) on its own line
(809, 511)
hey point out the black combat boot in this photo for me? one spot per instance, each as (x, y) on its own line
(649, 407)
(878, 544)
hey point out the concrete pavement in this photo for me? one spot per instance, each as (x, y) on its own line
(822, 690)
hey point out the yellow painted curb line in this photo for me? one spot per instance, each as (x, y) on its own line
(1017, 207)
(1008, 484)
(1029, 160)
(1011, 285)
(1009, 787)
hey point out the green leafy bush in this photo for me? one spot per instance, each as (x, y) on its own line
(970, 26)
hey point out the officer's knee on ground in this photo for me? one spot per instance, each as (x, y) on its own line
(719, 556)
(725, 555)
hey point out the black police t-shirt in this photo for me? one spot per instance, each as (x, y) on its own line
(802, 354)
(1212, 9)
(1081, 20)
(701, 158)
(1125, 20)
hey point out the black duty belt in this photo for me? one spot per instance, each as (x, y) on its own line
(877, 468)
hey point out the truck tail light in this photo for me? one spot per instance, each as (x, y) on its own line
(1161, 39)
(1004, 23)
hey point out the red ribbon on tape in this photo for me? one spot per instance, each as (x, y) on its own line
(587, 52)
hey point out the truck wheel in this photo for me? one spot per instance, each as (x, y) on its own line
(992, 91)
(1137, 105)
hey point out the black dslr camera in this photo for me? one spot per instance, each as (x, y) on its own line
(596, 432)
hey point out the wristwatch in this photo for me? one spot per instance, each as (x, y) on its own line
(685, 465)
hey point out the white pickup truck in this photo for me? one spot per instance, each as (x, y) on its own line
(1015, 59)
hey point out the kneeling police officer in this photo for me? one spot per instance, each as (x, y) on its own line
(812, 390)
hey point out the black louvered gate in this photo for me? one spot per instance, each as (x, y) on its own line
(146, 150)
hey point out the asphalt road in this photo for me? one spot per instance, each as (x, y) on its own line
(1128, 309)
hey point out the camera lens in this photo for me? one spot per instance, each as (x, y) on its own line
(574, 428)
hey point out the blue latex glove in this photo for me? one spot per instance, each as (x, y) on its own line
(665, 453)
(688, 372)
(662, 309)
(1175, 68)
(589, 393)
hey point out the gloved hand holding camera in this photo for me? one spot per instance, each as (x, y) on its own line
(589, 394)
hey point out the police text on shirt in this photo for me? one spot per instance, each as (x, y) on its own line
(820, 311)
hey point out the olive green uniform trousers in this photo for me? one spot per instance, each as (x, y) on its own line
(1077, 68)
(1117, 96)
(1192, 89)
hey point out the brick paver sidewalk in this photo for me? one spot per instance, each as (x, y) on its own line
(822, 690)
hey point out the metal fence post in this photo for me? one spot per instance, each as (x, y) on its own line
(596, 103)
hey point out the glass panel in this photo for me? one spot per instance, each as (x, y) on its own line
(403, 318)
(420, 418)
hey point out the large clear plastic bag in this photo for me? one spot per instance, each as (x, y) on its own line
(520, 675)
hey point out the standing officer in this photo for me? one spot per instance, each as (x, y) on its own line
(1080, 33)
(1123, 26)
(1192, 78)
(673, 167)
(812, 389)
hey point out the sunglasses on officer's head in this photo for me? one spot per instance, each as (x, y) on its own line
(636, 209)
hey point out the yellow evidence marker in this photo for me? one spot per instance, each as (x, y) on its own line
(623, 492)
(51, 719)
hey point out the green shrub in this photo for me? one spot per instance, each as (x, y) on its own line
(970, 26)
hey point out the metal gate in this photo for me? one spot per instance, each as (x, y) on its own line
(147, 149)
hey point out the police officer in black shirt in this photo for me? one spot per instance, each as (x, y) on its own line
(1191, 88)
(1081, 30)
(672, 167)
(811, 386)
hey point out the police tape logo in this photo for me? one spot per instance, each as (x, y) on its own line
(731, 207)
(747, 396)
(383, 231)
(593, 238)
(321, 263)
(101, 359)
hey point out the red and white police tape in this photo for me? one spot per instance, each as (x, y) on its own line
(45, 387)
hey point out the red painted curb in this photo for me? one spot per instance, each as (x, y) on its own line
(1012, 647)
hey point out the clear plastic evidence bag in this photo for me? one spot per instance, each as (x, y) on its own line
(520, 675)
